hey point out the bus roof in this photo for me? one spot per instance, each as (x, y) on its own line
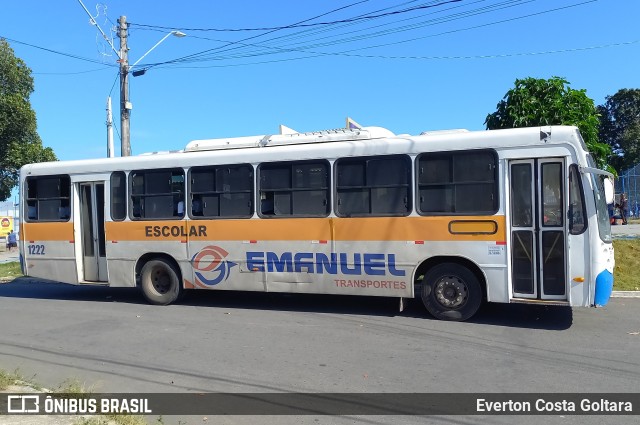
(323, 144)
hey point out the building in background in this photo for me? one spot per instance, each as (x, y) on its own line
(9, 218)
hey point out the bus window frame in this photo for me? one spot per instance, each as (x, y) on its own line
(28, 219)
(408, 163)
(214, 168)
(125, 188)
(327, 189)
(450, 154)
(574, 170)
(131, 195)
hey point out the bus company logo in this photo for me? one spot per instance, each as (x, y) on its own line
(210, 261)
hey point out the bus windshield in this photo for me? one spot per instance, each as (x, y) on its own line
(604, 225)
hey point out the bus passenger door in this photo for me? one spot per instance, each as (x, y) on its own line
(538, 226)
(94, 257)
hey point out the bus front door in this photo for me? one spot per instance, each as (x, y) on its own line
(92, 232)
(538, 235)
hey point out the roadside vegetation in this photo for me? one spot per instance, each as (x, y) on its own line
(625, 274)
(10, 270)
(7, 379)
(77, 389)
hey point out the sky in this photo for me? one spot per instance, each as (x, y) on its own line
(246, 66)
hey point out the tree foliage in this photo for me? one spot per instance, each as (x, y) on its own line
(19, 140)
(537, 102)
(620, 127)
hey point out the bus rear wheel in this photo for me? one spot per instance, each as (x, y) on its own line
(451, 292)
(160, 282)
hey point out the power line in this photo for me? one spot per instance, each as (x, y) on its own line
(70, 73)
(268, 32)
(69, 55)
(306, 33)
(206, 54)
(354, 52)
(487, 56)
(431, 22)
(314, 24)
(475, 27)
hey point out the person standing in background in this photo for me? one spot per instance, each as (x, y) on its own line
(624, 208)
(12, 241)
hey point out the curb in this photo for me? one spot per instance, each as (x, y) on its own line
(625, 294)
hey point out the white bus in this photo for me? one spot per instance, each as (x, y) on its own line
(454, 218)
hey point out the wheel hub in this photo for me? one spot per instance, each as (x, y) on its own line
(451, 292)
(161, 281)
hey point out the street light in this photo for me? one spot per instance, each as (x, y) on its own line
(125, 104)
(178, 34)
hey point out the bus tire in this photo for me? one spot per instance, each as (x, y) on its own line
(160, 282)
(451, 292)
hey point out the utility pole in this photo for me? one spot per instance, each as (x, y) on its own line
(110, 153)
(125, 104)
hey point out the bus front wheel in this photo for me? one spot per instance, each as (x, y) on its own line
(160, 282)
(451, 292)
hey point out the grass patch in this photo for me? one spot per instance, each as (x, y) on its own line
(10, 270)
(7, 379)
(627, 265)
(75, 389)
(112, 420)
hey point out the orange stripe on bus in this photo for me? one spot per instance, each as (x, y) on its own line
(47, 231)
(289, 229)
(301, 229)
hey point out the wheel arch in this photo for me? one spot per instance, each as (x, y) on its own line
(153, 256)
(431, 262)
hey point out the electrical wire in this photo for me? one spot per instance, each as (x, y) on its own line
(202, 56)
(436, 21)
(246, 50)
(488, 56)
(69, 55)
(70, 73)
(354, 52)
(268, 32)
(314, 24)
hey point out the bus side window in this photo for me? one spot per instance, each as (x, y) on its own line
(64, 212)
(32, 212)
(266, 206)
(180, 209)
(196, 206)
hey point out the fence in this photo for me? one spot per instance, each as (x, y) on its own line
(629, 182)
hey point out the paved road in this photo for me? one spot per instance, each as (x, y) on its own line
(243, 342)
(9, 256)
(632, 230)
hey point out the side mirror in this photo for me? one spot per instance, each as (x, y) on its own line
(608, 190)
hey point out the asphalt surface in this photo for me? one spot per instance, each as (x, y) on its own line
(631, 230)
(9, 256)
(110, 340)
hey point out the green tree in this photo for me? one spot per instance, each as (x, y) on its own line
(536, 102)
(620, 127)
(19, 140)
